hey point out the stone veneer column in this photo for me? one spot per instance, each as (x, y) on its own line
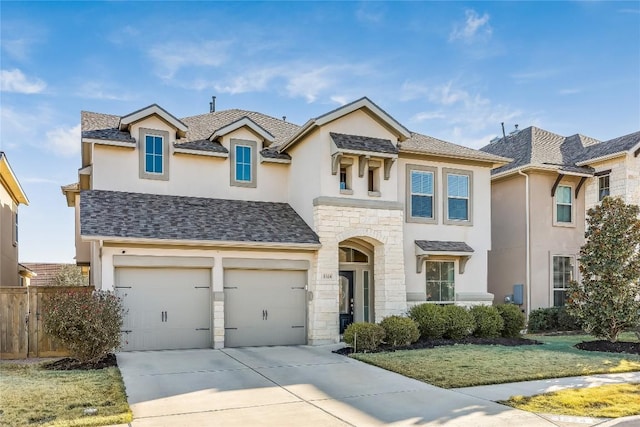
(380, 227)
(218, 320)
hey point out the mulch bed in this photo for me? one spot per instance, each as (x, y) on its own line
(610, 347)
(510, 342)
(68, 364)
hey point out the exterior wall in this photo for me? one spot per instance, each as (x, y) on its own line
(548, 239)
(380, 227)
(304, 175)
(106, 275)
(83, 249)
(8, 251)
(507, 258)
(189, 175)
(624, 180)
(471, 287)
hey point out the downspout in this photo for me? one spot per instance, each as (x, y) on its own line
(528, 251)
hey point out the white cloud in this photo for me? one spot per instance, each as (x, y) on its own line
(172, 56)
(339, 99)
(99, 90)
(475, 27)
(64, 141)
(38, 180)
(370, 12)
(308, 84)
(15, 81)
(541, 74)
(569, 91)
(428, 115)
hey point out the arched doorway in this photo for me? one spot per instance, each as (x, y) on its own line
(356, 287)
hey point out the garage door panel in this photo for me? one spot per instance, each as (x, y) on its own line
(265, 307)
(168, 308)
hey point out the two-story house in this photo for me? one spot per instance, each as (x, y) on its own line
(11, 196)
(234, 228)
(539, 204)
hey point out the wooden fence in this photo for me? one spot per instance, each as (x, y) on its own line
(21, 322)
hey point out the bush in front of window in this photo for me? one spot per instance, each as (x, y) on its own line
(489, 323)
(513, 318)
(400, 330)
(552, 319)
(364, 336)
(431, 320)
(459, 322)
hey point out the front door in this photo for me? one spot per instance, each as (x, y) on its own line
(346, 299)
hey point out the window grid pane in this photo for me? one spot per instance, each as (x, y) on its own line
(243, 163)
(153, 154)
(603, 187)
(440, 277)
(422, 194)
(458, 197)
(562, 276)
(563, 204)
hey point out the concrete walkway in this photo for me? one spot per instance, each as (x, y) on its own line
(293, 386)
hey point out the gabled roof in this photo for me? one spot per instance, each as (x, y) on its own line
(10, 182)
(240, 123)
(363, 143)
(423, 144)
(538, 148)
(612, 147)
(363, 103)
(103, 126)
(152, 110)
(135, 216)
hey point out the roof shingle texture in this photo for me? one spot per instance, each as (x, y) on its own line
(363, 143)
(429, 145)
(153, 216)
(103, 126)
(443, 246)
(616, 145)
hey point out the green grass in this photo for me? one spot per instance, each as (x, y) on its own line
(608, 401)
(471, 365)
(30, 395)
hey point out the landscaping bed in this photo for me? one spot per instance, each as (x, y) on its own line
(610, 347)
(68, 364)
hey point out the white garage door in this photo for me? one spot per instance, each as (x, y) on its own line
(167, 308)
(264, 307)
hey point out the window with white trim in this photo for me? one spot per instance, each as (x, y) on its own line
(564, 206)
(562, 274)
(440, 276)
(243, 163)
(603, 187)
(153, 154)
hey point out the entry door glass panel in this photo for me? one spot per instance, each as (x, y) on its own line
(345, 299)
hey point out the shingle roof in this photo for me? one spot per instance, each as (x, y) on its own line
(271, 153)
(103, 126)
(443, 246)
(363, 143)
(616, 145)
(429, 145)
(537, 147)
(202, 145)
(153, 216)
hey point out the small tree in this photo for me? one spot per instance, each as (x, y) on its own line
(70, 275)
(606, 302)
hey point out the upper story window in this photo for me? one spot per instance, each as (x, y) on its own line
(345, 175)
(563, 211)
(603, 187)
(154, 154)
(373, 179)
(243, 163)
(421, 187)
(458, 188)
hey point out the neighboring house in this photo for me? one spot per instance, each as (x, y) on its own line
(539, 202)
(234, 228)
(11, 196)
(45, 273)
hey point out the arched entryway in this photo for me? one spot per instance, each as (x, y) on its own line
(356, 287)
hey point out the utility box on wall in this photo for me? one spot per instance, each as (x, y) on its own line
(518, 294)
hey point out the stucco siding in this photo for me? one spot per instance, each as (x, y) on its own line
(8, 252)
(303, 180)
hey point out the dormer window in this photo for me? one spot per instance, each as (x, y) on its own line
(154, 154)
(243, 163)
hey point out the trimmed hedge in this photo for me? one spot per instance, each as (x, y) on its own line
(552, 319)
(400, 330)
(489, 323)
(364, 336)
(513, 318)
(431, 320)
(459, 321)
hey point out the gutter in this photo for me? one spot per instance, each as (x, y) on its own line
(528, 236)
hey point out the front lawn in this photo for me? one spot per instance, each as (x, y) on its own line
(607, 401)
(30, 395)
(471, 365)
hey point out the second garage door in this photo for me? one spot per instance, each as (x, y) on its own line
(167, 308)
(265, 307)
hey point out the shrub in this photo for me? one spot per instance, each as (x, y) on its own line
(87, 323)
(566, 322)
(400, 330)
(489, 323)
(364, 336)
(459, 322)
(430, 319)
(513, 318)
(552, 319)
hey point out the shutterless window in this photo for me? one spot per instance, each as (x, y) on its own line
(458, 197)
(153, 152)
(343, 178)
(440, 281)
(421, 194)
(371, 180)
(562, 276)
(243, 163)
(563, 204)
(603, 187)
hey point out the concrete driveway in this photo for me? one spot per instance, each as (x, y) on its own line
(292, 386)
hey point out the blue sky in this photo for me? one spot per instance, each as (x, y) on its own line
(452, 70)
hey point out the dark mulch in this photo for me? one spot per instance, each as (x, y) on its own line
(68, 364)
(610, 347)
(510, 342)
